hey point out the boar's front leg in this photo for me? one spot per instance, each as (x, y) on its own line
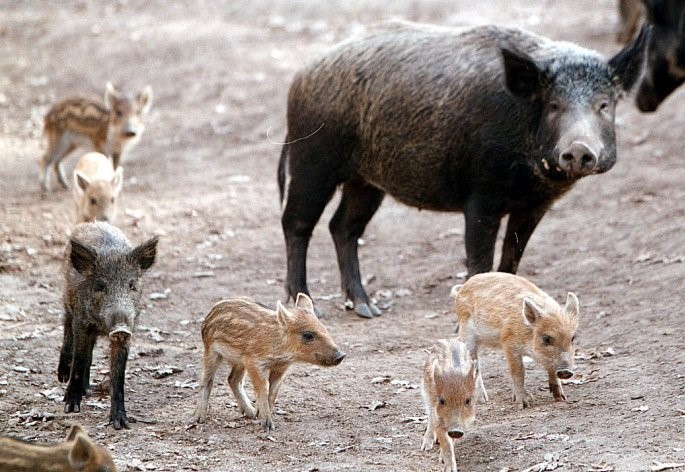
(358, 204)
(482, 217)
(83, 340)
(119, 347)
(519, 229)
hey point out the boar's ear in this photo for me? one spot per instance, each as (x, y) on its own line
(81, 452)
(118, 181)
(83, 258)
(531, 312)
(145, 99)
(282, 314)
(111, 95)
(572, 304)
(73, 431)
(628, 64)
(81, 182)
(522, 75)
(145, 254)
(303, 301)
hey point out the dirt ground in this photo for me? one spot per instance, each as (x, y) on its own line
(203, 178)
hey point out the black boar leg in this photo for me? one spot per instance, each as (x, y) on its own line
(482, 223)
(519, 229)
(358, 204)
(306, 200)
(66, 354)
(117, 367)
(87, 391)
(74, 393)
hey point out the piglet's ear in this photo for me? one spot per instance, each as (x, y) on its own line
(111, 95)
(82, 257)
(145, 254)
(436, 371)
(303, 301)
(531, 311)
(572, 305)
(282, 314)
(522, 75)
(145, 99)
(75, 429)
(81, 452)
(627, 65)
(81, 182)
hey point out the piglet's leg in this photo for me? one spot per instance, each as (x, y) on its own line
(555, 386)
(212, 360)
(235, 381)
(276, 377)
(517, 372)
(260, 384)
(429, 436)
(118, 358)
(446, 451)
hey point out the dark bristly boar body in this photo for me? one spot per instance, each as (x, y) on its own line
(488, 121)
(448, 391)
(508, 312)
(665, 70)
(102, 297)
(263, 343)
(77, 454)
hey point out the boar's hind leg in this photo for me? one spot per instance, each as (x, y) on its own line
(66, 354)
(235, 381)
(117, 368)
(482, 223)
(519, 229)
(358, 204)
(307, 197)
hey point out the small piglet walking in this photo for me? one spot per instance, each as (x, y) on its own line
(448, 391)
(96, 188)
(510, 313)
(102, 294)
(251, 338)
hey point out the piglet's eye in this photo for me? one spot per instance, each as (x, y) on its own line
(308, 336)
(93, 201)
(441, 401)
(546, 340)
(119, 113)
(467, 401)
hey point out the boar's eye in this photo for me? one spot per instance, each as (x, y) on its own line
(604, 106)
(553, 106)
(93, 201)
(308, 336)
(441, 400)
(132, 285)
(99, 286)
(546, 340)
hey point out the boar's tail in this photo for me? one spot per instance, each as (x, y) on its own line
(455, 290)
(281, 169)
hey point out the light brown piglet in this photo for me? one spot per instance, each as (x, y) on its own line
(508, 312)
(96, 188)
(252, 338)
(448, 391)
(77, 454)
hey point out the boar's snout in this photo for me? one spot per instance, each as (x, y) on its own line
(455, 433)
(578, 159)
(564, 373)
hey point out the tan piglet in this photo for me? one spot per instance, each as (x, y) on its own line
(508, 312)
(263, 343)
(96, 188)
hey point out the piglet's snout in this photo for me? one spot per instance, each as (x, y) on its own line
(339, 356)
(579, 158)
(564, 373)
(455, 433)
(130, 131)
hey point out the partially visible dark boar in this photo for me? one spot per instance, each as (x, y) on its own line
(665, 69)
(77, 454)
(631, 13)
(488, 121)
(101, 298)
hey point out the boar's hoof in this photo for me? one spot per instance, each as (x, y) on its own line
(366, 310)
(72, 407)
(120, 420)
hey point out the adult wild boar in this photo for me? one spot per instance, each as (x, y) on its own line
(489, 121)
(665, 69)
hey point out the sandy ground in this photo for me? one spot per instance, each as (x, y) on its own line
(203, 179)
